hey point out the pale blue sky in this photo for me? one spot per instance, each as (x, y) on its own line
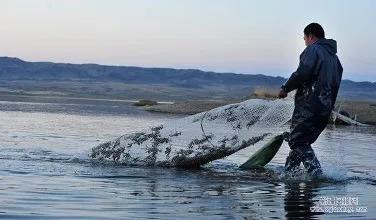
(241, 36)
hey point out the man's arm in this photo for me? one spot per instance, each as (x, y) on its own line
(307, 64)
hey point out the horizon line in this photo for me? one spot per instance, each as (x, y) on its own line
(159, 67)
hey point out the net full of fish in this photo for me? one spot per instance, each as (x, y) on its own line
(195, 140)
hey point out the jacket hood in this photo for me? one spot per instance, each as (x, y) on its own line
(329, 44)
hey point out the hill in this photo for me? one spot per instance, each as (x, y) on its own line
(21, 77)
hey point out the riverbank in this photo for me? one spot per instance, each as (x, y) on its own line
(362, 111)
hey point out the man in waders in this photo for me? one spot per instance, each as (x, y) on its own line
(316, 82)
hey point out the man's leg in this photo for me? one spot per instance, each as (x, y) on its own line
(301, 137)
(293, 161)
(310, 161)
(303, 153)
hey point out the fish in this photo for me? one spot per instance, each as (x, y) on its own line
(195, 140)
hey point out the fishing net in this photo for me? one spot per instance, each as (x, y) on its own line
(198, 139)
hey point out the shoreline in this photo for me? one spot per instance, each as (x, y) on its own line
(187, 107)
(362, 111)
(77, 98)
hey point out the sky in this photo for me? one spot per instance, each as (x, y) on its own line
(242, 36)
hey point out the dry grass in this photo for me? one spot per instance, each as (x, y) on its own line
(266, 93)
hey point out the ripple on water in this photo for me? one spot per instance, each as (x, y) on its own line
(45, 174)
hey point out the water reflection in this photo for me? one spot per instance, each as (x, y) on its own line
(300, 199)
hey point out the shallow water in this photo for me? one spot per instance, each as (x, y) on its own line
(45, 172)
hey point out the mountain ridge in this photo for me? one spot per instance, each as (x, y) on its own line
(16, 69)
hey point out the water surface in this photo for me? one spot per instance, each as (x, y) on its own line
(45, 172)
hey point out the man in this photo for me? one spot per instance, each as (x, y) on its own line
(316, 82)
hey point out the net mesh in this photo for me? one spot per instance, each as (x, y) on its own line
(195, 140)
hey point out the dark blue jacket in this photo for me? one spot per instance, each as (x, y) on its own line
(317, 82)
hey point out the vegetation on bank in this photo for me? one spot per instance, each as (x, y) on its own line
(265, 93)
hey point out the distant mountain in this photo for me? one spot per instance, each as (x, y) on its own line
(17, 69)
(14, 69)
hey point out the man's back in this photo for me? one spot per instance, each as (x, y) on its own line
(330, 74)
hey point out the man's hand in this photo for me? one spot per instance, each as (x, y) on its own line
(282, 94)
